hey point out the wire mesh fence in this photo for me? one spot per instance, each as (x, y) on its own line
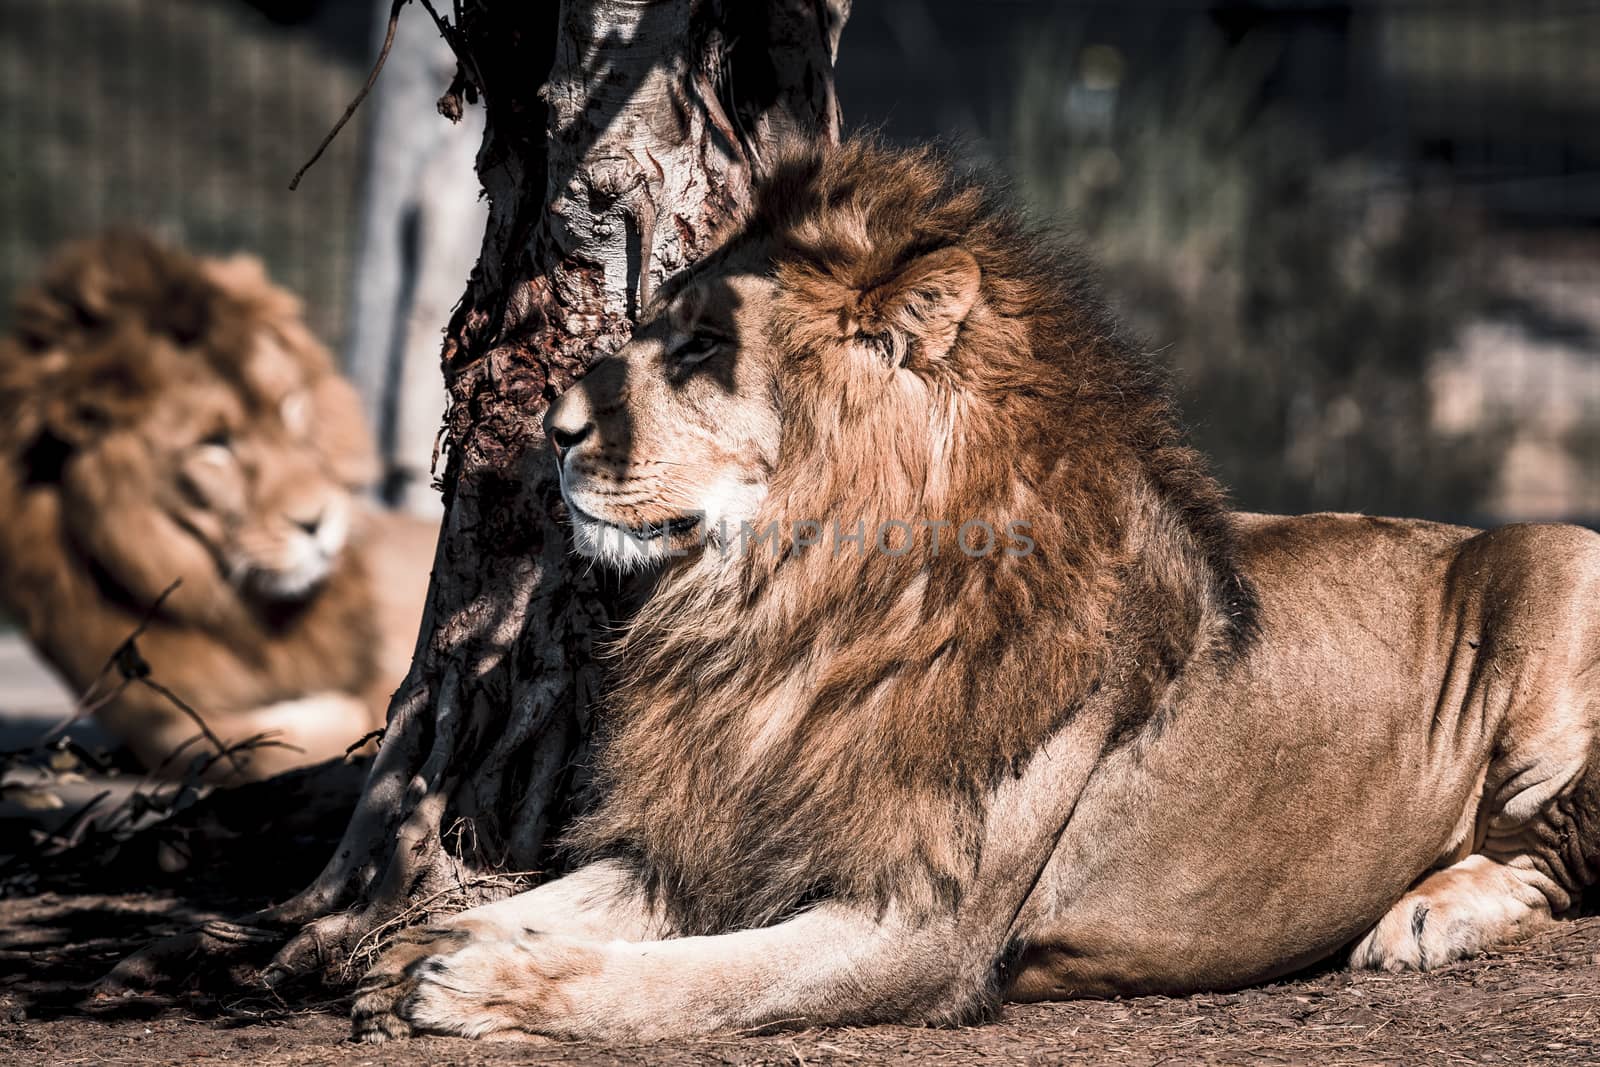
(1363, 234)
(185, 117)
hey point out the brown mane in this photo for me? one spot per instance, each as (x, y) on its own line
(806, 723)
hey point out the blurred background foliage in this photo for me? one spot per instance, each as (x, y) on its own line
(1300, 300)
(1363, 234)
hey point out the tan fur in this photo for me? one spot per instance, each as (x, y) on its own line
(1166, 749)
(167, 418)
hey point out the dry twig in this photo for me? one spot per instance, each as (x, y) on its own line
(349, 112)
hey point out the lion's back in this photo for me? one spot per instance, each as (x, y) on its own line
(1372, 572)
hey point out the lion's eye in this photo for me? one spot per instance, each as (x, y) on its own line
(215, 449)
(696, 348)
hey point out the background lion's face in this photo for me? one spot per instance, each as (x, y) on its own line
(670, 441)
(190, 426)
(217, 478)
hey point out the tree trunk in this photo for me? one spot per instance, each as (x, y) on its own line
(604, 178)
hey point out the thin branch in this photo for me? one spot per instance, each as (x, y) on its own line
(372, 78)
(125, 658)
(178, 702)
(248, 744)
(372, 735)
(172, 757)
(452, 37)
(72, 828)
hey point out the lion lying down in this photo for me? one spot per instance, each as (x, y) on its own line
(858, 773)
(166, 418)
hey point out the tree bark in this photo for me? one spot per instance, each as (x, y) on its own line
(620, 134)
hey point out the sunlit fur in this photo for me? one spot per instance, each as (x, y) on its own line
(793, 724)
(167, 418)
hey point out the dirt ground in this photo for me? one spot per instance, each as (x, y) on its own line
(1537, 1004)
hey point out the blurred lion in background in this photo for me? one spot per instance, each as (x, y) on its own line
(167, 418)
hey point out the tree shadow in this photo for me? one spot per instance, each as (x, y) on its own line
(52, 949)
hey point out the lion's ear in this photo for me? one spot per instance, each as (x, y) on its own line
(922, 307)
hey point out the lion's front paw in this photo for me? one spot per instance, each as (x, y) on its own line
(451, 981)
(379, 1011)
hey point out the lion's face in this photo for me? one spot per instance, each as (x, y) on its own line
(208, 439)
(670, 441)
(228, 475)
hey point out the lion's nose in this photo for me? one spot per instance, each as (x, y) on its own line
(566, 433)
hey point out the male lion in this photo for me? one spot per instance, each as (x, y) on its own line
(167, 418)
(893, 777)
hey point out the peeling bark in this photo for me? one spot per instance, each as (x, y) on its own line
(620, 133)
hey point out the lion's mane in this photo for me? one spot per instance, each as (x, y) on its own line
(907, 686)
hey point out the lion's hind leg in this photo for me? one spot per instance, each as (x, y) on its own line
(1522, 707)
(1465, 909)
(1536, 851)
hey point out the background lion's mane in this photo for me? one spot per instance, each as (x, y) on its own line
(906, 687)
